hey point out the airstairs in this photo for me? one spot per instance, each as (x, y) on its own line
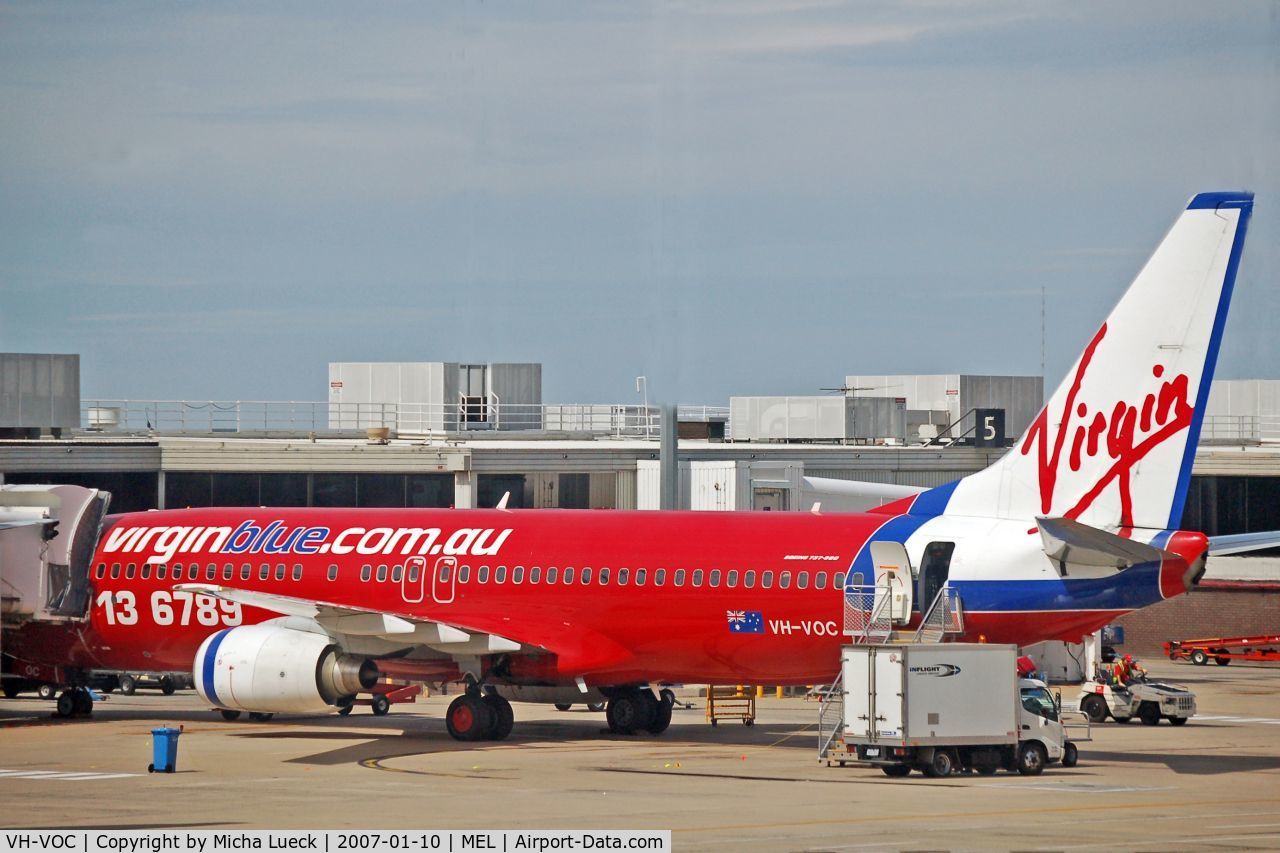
(871, 612)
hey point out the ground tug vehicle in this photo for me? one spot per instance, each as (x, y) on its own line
(1149, 701)
(941, 708)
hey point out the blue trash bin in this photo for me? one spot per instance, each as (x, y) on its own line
(164, 750)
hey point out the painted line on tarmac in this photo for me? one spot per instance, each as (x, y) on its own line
(1079, 787)
(1223, 718)
(63, 775)
(942, 816)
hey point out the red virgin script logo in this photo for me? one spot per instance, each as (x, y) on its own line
(1124, 433)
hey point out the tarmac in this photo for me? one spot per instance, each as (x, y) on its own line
(1213, 784)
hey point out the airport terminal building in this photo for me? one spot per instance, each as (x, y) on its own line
(468, 435)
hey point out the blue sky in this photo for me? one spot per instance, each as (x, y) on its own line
(759, 197)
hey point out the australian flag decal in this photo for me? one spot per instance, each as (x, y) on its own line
(745, 621)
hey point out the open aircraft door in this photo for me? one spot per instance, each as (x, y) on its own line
(444, 579)
(893, 578)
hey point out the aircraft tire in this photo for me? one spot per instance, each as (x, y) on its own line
(83, 701)
(11, 690)
(229, 715)
(66, 703)
(668, 697)
(345, 710)
(563, 706)
(628, 712)
(167, 686)
(661, 718)
(595, 707)
(259, 716)
(469, 718)
(503, 717)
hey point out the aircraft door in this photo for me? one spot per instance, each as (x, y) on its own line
(893, 578)
(415, 578)
(935, 566)
(443, 580)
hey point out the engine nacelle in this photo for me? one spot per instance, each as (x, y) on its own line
(270, 669)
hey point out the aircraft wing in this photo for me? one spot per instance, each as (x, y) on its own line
(362, 622)
(1241, 543)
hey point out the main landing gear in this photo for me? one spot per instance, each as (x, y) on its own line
(75, 702)
(477, 715)
(633, 709)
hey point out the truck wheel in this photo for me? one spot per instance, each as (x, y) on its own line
(1095, 708)
(896, 771)
(46, 691)
(1178, 721)
(942, 765)
(1149, 713)
(380, 705)
(166, 685)
(563, 706)
(1222, 659)
(595, 707)
(1199, 658)
(128, 684)
(1031, 758)
(1070, 755)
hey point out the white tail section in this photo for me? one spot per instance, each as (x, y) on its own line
(1114, 445)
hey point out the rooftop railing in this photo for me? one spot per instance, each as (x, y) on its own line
(468, 416)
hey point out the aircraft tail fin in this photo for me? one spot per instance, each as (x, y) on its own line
(1114, 445)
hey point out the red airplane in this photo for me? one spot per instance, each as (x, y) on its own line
(297, 610)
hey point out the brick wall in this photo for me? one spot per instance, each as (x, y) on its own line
(1202, 613)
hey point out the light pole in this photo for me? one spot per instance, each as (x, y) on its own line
(642, 385)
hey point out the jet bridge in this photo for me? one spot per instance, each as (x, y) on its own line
(47, 539)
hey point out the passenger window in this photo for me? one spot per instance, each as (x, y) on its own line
(463, 574)
(130, 570)
(802, 580)
(517, 574)
(784, 580)
(568, 574)
(535, 574)
(766, 580)
(640, 575)
(483, 577)
(211, 572)
(397, 573)
(820, 582)
(115, 571)
(660, 577)
(177, 571)
(333, 571)
(604, 576)
(161, 571)
(839, 582)
(586, 574)
(551, 574)
(228, 572)
(500, 575)
(146, 571)
(623, 574)
(366, 572)
(697, 577)
(749, 579)
(102, 570)
(297, 571)
(280, 571)
(715, 577)
(381, 574)
(679, 579)
(264, 572)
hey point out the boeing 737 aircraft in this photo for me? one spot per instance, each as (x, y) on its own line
(296, 610)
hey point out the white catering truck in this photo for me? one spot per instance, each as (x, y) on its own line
(943, 707)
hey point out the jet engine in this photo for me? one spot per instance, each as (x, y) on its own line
(272, 669)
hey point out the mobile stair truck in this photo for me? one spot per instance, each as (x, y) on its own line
(909, 702)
